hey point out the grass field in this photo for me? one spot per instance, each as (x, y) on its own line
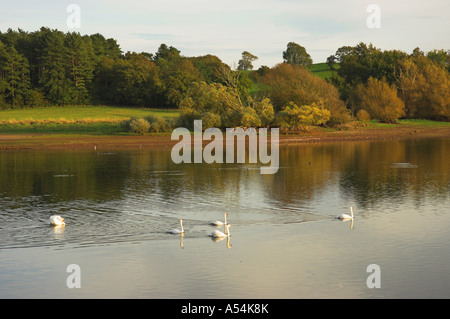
(409, 122)
(105, 120)
(84, 119)
(322, 70)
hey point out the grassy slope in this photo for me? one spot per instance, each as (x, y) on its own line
(322, 70)
(78, 119)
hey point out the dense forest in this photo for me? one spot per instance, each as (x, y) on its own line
(48, 67)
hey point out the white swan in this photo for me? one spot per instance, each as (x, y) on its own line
(219, 223)
(178, 231)
(346, 216)
(218, 234)
(56, 220)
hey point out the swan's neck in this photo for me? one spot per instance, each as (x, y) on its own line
(225, 217)
(351, 211)
(181, 224)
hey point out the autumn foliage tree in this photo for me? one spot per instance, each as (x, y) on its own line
(287, 83)
(379, 99)
(424, 86)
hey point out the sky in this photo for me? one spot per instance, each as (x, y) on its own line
(227, 28)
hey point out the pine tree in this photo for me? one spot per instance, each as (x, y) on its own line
(52, 67)
(80, 66)
(14, 76)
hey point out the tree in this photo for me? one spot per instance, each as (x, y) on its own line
(81, 57)
(14, 76)
(221, 106)
(210, 67)
(105, 47)
(297, 55)
(380, 100)
(202, 100)
(424, 86)
(238, 83)
(246, 62)
(176, 73)
(440, 57)
(331, 61)
(52, 67)
(357, 64)
(285, 83)
(141, 84)
(167, 53)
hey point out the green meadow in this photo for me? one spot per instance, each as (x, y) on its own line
(77, 119)
(322, 70)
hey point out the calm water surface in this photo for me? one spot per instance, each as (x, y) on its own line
(285, 243)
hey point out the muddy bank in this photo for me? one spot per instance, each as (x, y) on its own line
(10, 142)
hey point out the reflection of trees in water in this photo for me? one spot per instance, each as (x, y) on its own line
(363, 171)
(64, 175)
(368, 174)
(304, 172)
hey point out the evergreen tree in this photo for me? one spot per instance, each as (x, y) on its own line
(80, 68)
(52, 67)
(14, 76)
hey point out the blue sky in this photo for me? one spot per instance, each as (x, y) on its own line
(226, 28)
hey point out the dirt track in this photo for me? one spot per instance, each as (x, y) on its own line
(55, 141)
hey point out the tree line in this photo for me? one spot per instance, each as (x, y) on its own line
(48, 67)
(392, 84)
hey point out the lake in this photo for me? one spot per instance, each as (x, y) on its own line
(285, 240)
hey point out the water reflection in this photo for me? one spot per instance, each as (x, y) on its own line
(58, 231)
(138, 194)
(123, 203)
(181, 240)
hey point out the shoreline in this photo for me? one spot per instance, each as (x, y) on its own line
(56, 141)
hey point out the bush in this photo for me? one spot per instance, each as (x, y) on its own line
(158, 123)
(363, 116)
(140, 126)
(250, 118)
(36, 99)
(264, 110)
(210, 120)
(3, 104)
(294, 117)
